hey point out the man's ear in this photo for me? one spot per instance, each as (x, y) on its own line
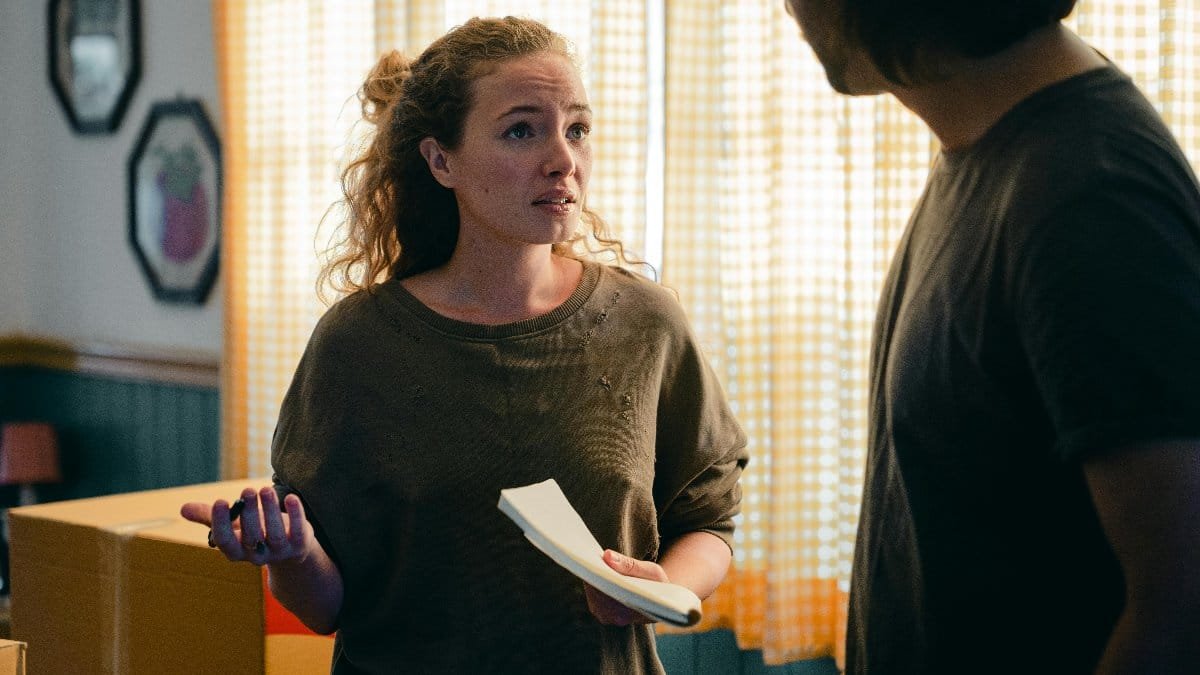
(437, 160)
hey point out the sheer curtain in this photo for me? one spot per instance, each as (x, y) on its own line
(783, 204)
(770, 204)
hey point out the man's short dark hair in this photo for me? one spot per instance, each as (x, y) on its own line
(899, 34)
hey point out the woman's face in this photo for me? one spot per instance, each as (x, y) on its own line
(520, 173)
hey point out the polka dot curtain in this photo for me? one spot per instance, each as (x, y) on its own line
(770, 204)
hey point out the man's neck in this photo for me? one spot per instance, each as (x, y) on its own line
(960, 108)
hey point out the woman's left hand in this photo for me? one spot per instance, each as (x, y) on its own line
(611, 612)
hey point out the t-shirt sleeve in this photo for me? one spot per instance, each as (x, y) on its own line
(1107, 302)
(700, 450)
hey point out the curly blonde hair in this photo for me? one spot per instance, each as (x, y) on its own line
(399, 221)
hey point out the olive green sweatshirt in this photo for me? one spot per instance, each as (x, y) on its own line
(402, 426)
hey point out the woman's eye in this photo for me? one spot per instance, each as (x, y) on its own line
(578, 132)
(519, 131)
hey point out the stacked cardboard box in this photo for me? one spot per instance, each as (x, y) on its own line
(123, 584)
(12, 657)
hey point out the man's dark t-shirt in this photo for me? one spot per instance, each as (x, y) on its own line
(1044, 305)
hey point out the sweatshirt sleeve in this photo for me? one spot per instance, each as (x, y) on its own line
(700, 447)
(320, 421)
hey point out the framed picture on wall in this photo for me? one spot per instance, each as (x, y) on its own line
(95, 60)
(175, 201)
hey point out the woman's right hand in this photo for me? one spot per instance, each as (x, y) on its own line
(303, 577)
(261, 535)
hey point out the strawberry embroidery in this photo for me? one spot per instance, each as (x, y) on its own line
(185, 203)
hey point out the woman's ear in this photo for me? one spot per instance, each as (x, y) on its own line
(437, 160)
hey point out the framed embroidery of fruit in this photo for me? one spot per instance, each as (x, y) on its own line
(95, 60)
(175, 201)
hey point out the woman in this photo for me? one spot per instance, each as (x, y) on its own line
(489, 356)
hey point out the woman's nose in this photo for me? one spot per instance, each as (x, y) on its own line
(560, 158)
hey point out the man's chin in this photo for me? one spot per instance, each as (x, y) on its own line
(837, 80)
(836, 74)
(845, 84)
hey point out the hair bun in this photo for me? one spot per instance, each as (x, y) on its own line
(383, 85)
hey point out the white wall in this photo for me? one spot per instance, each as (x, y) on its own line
(66, 269)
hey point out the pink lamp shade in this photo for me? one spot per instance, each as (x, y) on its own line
(28, 453)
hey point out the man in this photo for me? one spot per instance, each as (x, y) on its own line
(1032, 497)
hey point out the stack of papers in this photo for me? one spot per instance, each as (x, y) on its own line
(552, 525)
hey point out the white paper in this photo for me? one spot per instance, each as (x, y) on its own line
(553, 526)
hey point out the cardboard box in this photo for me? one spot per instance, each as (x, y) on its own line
(12, 657)
(123, 584)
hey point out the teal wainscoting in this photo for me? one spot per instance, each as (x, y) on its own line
(117, 434)
(716, 653)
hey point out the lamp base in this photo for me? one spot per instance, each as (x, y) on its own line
(27, 496)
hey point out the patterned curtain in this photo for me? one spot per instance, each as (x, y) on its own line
(770, 204)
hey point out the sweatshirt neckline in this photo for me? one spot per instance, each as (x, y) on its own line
(465, 329)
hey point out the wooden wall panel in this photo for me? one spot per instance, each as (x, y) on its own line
(118, 435)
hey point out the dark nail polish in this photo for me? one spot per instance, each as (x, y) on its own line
(235, 509)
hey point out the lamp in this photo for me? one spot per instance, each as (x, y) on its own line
(28, 455)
